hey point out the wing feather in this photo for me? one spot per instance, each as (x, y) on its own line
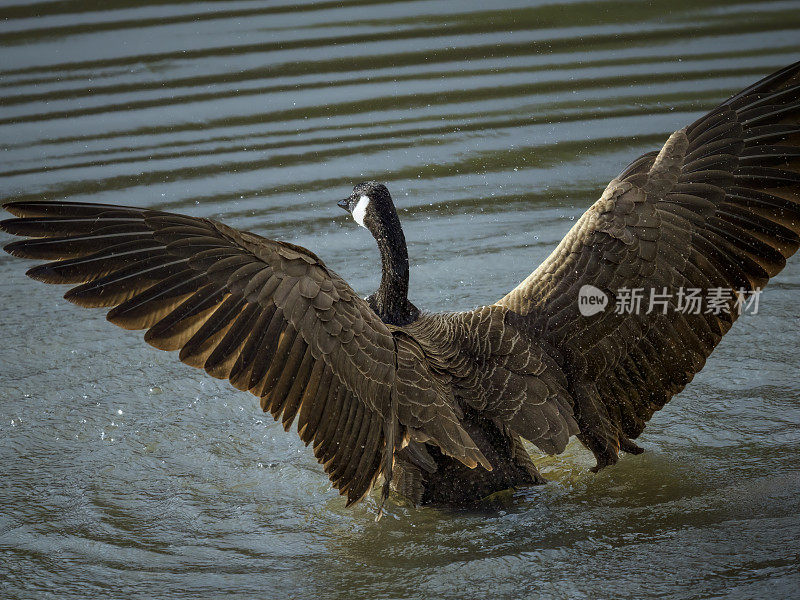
(269, 316)
(717, 207)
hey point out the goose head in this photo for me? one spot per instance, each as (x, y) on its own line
(371, 206)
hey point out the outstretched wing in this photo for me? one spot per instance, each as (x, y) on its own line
(268, 316)
(718, 208)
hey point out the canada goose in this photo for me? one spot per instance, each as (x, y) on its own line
(438, 403)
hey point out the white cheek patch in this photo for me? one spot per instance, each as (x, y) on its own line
(360, 211)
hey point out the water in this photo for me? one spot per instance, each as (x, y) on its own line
(126, 474)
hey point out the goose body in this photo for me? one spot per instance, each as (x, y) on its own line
(439, 403)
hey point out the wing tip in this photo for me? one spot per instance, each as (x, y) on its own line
(16, 208)
(16, 248)
(12, 226)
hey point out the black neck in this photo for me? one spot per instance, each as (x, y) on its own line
(390, 301)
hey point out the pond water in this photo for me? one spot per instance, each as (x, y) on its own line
(129, 475)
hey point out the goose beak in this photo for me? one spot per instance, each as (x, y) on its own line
(345, 204)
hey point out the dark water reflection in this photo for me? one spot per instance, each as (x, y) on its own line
(126, 474)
